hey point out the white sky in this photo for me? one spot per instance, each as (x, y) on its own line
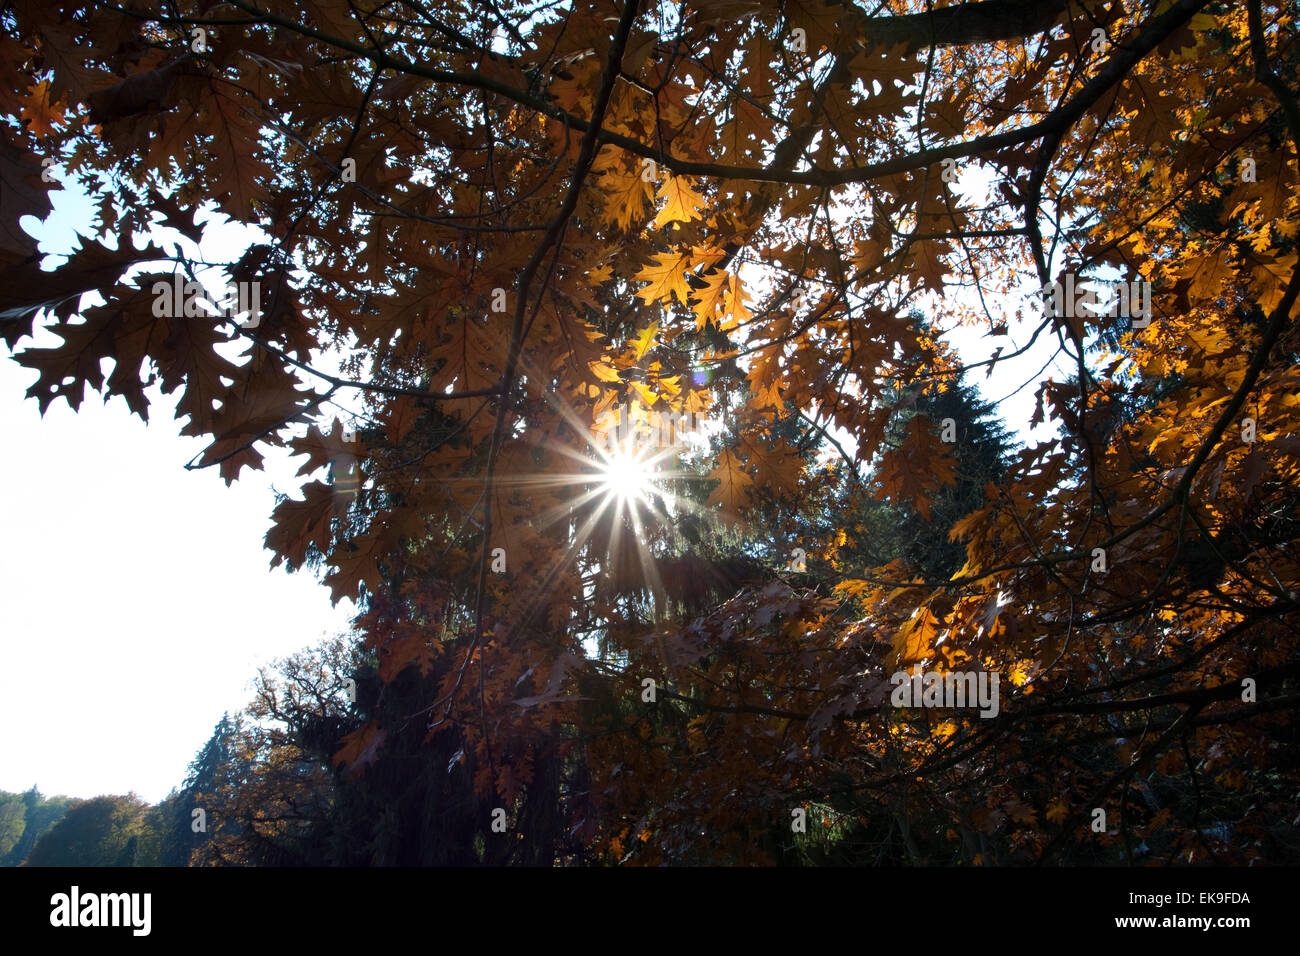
(136, 600)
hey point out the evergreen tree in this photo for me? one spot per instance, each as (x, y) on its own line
(202, 783)
(979, 448)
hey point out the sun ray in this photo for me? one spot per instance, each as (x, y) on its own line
(618, 485)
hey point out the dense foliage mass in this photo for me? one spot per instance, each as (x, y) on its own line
(24, 819)
(488, 228)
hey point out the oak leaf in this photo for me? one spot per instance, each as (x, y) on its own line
(666, 278)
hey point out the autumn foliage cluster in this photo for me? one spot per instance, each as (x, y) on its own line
(485, 225)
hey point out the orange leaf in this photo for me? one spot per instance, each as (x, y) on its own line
(643, 341)
(710, 299)
(683, 203)
(667, 277)
(734, 484)
(360, 748)
(916, 469)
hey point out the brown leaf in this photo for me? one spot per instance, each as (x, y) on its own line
(360, 748)
(21, 194)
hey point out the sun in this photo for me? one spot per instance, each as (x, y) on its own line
(627, 476)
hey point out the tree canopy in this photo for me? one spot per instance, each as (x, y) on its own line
(105, 831)
(511, 240)
(24, 819)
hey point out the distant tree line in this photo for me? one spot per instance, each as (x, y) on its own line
(113, 830)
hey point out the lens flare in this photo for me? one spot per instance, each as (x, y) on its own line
(627, 476)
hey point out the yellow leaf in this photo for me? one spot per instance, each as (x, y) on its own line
(736, 303)
(707, 256)
(667, 277)
(643, 341)
(683, 203)
(915, 640)
(853, 586)
(710, 299)
(647, 394)
(627, 193)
